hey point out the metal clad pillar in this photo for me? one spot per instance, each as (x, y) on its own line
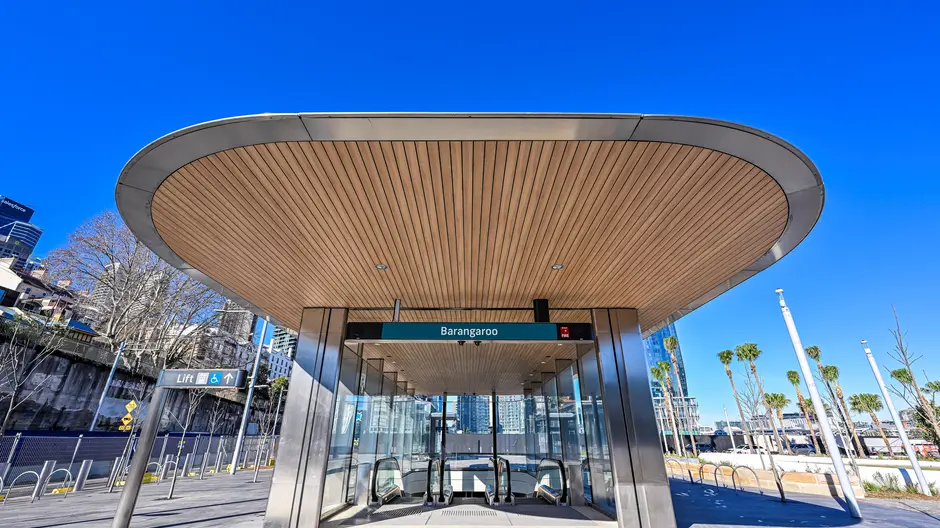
(297, 485)
(641, 488)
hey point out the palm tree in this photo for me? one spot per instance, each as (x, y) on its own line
(671, 344)
(871, 403)
(778, 402)
(794, 378)
(662, 376)
(749, 353)
(725, 356)
(830, 373)
(815, 353)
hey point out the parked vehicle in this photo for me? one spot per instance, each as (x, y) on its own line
(744, 450)
(702, 448)
(802, 449)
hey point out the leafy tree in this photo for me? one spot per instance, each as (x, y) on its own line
(726, 356)
(794, 378)
(661, 375)
(871, 403)
(672, 343)
(830, 374)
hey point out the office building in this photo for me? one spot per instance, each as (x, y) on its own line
(18, 237)
(656, 351)
(284, 340)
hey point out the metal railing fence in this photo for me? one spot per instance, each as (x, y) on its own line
(100, 461)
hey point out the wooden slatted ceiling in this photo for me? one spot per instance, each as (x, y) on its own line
(436, 368)
(470, 223)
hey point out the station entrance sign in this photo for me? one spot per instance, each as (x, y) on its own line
(462, 332)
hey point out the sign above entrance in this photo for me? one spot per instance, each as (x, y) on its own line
(463, 332)
(203, 378)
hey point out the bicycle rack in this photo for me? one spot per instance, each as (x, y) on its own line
(757, 480)
(701, 472)
(717, 469)
(159, 467)
(67, 485)
(676, 462)
(13, 483)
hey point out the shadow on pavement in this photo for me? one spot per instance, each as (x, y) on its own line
(703, 504)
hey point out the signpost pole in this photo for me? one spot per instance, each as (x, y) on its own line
(107, 385)
(148, 433)
(905, 442)
(251, 390)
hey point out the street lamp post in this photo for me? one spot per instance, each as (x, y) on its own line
(908, 448)
(728, 425)
(251, 391)
(830, 440)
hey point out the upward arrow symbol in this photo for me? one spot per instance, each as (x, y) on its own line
(228, 377)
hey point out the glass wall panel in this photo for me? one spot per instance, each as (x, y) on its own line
(592, 405)
(339, 470)
(550, 390)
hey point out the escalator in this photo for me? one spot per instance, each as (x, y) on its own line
(551, 485)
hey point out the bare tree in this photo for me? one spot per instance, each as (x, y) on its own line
(25, 344)
(193, 396)
(135, 297)
(910, 390)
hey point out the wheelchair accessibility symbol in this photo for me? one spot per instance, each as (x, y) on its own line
(215, 378)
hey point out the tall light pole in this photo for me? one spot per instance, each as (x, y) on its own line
(820, 409)
(251, 391)
(728, 424)
(908, 448)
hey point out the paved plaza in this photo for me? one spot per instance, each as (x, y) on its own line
(236, 502)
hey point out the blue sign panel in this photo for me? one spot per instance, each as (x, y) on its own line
(10, 211)
(470, 331)
(461, 332)
(198, 378)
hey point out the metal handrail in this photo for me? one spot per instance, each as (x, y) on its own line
(564, 478)
(375, 474)
(13, 483)
(502, 461)
(757, 480)
(428, 497)
(68, 482)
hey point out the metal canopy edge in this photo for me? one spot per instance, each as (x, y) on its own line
(796, 175)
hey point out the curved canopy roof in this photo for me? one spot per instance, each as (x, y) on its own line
(285, 211)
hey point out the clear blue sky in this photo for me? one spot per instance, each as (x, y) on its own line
(85, 86)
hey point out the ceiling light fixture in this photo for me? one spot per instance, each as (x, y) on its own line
(381, 267)
(558, 266)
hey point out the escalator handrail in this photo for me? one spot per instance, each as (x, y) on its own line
(564, 477)
(375, 475)
(505, 461)
(431, 463)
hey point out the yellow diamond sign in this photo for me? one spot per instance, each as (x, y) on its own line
(127, 419)
(131, 405)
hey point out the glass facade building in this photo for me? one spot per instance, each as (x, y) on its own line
(18, 237)
(656, 352)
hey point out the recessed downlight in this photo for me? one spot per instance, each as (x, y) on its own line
(381, 267)
(558, 266)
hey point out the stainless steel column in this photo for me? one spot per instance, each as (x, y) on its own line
(297, 485)
(641, 488)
